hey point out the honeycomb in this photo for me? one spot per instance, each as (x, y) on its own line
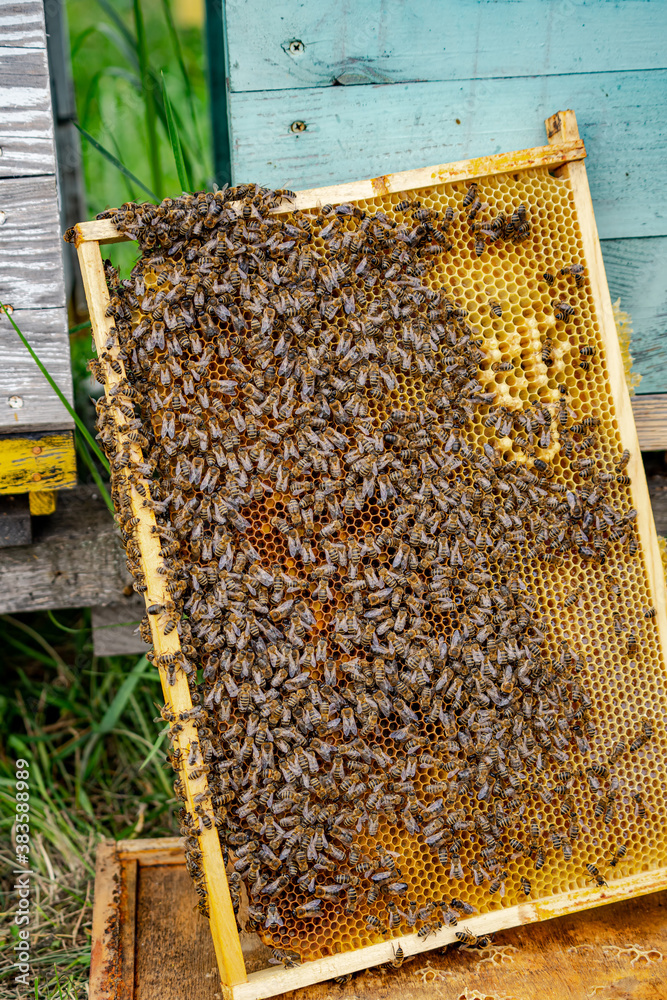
(496, 733)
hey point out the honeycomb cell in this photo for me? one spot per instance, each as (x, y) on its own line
(395, 565)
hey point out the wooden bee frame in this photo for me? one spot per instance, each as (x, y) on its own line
(563, 154)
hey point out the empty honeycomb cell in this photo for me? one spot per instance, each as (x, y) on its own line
(440, 788)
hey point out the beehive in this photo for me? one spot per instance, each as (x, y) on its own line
(529, 356)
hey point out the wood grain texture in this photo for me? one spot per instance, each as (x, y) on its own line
(15, 526)
(176, 691)
(104, 231)
(115, 627)
(106, 951)
(25, 95)
(637, 274)
(41, 462)
(366, 42)
(22, 24)
(128, 909)
(76, 558)
(650, 413)
(25, 155)
(169, 925)
(46, 331)
(657, 487)
(370, 131)
(153, 850)
(616, 952)
(31, 260)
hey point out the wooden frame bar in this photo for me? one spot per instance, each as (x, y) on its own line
(565, 153)
(553, 156)
(563, 126)
(176, 695)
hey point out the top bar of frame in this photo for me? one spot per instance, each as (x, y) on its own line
(103, 231)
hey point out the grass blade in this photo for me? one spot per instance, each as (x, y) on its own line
(189, 93)
(128, 182)
(63, 628)
(56, 660)
(121, 26)
(92, 468)
(117, 706)
(174, 138)
(59, 393)
(112, 159)
(79, 326)
(147, 84)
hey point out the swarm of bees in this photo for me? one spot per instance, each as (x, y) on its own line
(346, 564)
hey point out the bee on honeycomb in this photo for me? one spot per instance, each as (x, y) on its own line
(386, 512)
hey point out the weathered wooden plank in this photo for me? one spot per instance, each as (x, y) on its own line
(30, 244)
(354, 132)
(650, 413)
(15, 527)
(128, 909)
(657, 487)
(106, 955)
(637, 273)
(25, 96)
(151, 851)
(27, 401)
(363, 41)
(38, 462)
(76, 559)
(25, 155)
(115, 627)
(22, 24)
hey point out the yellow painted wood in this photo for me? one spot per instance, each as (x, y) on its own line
(176, 695)
(40, 463)
(42, 502)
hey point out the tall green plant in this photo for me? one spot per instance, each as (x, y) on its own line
(147, 84)
(174, 138)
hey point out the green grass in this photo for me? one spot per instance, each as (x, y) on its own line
(120, 50)
(87, 724)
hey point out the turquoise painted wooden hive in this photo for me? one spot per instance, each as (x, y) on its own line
(325, 92)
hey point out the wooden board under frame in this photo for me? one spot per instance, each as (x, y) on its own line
(149, 943)
(563, 155)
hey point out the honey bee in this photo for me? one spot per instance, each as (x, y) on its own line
(399, 957)
(618, 855)
(470, 195)
(594, 872)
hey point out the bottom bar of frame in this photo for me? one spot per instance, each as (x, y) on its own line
(270, 982)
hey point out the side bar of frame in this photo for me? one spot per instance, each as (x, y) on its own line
(563, 126)
(176, 695)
